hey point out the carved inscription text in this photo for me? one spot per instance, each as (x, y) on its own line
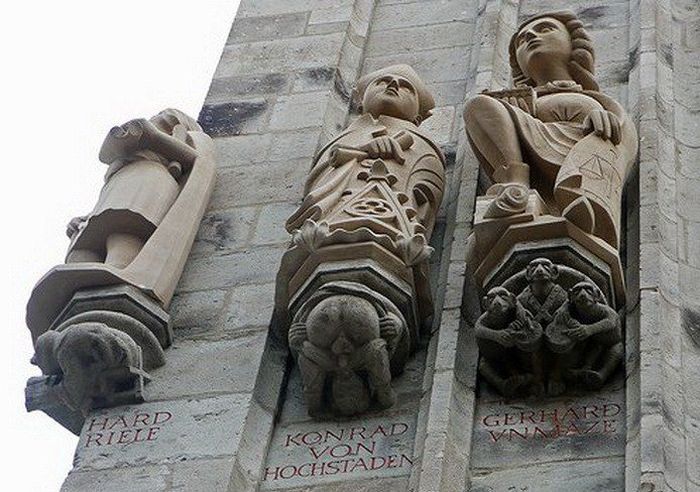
(340, 450)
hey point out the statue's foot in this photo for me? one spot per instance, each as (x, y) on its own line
(386, 397)
(511, 199)
(514, 384)
(589, 379)
(580, 213)
(537, 389)
(555, 387)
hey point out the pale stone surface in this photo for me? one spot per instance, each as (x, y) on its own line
(161, 432)
(335, 452)
(601, 475)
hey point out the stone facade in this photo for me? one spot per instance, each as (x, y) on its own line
(225, 412)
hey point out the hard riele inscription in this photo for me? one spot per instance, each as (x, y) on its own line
(316, 453)
(132, 428)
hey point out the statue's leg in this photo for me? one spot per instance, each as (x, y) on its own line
(122, 249)
(494, 137)
(313, 379)
(556, 385)
(611, 359)
(379, 373)
(491, 375)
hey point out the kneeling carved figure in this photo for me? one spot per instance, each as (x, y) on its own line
(587, 338)
(346, 337)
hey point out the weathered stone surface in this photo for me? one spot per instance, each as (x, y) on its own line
(161, 432)
(249, 306)
(223, 231)
(133, 479)
(208, 367)
(246, 29)
(583, 427)
(322, 453)
(600, 475)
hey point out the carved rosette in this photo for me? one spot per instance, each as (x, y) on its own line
(99, 321)
(360, 250)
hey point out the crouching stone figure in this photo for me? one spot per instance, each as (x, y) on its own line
(91, 364)
(586, 337)
(346, 337)
(509, 340)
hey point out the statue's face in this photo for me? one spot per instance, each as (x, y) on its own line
(391, 95)
(540, 42)
(584, 296)
(541, 270)
(499, 301)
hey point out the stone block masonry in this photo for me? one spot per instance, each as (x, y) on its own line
(225, 412)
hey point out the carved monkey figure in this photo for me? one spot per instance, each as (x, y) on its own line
(509, 340)
(543, 296)
(586, 335)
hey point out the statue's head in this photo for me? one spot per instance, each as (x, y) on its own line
(585, 295)
(552, 38)
(395, 91)
(499, 301)
(541, 270)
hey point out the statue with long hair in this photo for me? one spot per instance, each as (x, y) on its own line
(555, 132)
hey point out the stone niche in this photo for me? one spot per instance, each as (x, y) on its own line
(544, 256)
(99, 321)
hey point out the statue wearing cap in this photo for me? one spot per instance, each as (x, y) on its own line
(361, 237)
(384, 145)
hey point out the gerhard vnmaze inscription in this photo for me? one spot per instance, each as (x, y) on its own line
(537, 432)
(307, 453)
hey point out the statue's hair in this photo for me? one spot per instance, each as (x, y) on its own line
(581, 63)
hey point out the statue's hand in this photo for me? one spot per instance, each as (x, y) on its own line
(505, 338)
(579, 333)
(384, 147)
(604, 124)
(75, 224)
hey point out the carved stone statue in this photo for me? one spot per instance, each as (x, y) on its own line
(347, 335)
(547, 328)
(122, 266)
(587, 336)
(509, 340)
(555, 132)
(369, 209)
(542, 297)
(557, 150)
(91, 362)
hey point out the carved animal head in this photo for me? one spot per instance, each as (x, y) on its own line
(541, 270)
(499, 302)
(585, 295)
(395, 91)
(554, 37)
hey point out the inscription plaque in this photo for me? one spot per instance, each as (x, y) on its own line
(306, 453)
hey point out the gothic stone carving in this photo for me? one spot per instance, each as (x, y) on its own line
(89, 364)
(544, 338)
(123, 263)
(557, 149)
(354, 283)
